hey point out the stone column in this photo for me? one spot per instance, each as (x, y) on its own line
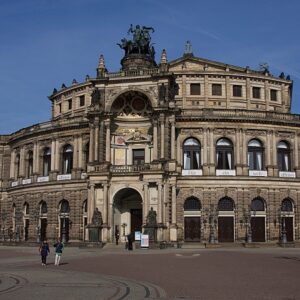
(75, 153)
(91, 202)
(91, 150)
(107, 150)
(159, 203)
(52, 155)
(296, 156)
(162, 137)
(22, 162)
(80, 152)
(206, 91)
(105, 204)
(155, 149)
(12, 164)
(57, 155)
(96, 155)
(274, 151)
(172, 139)
(248, 93)
(146, 202)
(35, 159)
(174, 206)
(228, 96)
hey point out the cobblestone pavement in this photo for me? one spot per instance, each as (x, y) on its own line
(113, 273)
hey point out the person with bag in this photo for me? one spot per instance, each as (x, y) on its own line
(59, 246)
(44, 251)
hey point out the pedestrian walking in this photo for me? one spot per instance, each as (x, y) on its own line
(44, 251)
(130, 241)
(59, 246)
(117, 235)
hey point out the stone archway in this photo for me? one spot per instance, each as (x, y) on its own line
(127, 212)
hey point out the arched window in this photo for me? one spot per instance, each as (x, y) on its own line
(26, 209)
(226, 204)
(192, 203)
(64, 207)
(67, 159)
(29, 164)
(255, 155)
(43, 208)
(257, 204)
(191, 154)
(224, 151)
(287, 205)
(46, 161)
(283, 156)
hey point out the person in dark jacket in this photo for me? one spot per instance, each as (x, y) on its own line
(44, 250)
(59, 246)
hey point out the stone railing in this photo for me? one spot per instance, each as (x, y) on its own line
(133, 73)
(129, 168)
(237, 114)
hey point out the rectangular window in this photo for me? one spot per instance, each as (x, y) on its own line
(59, 107)
(82, 100)
(70, 104)
(273, 94)
(216, 89)
(195, 89)
(256, 92)
(237, 91)
(138, 156)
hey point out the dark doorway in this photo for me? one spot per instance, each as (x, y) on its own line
(289, 228)
(258, 229)
(43, 229)
(136, 220)
(225, 229)
(192, 229)
(26, 229)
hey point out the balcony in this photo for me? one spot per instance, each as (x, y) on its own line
(129, 168)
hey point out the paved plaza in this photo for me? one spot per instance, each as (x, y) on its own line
(114, 273)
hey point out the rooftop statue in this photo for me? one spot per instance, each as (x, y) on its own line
(140, 43)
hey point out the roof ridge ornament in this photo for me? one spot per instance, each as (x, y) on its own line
(188, 51)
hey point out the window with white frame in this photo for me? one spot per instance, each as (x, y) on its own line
(67, 159)
(283, 156)
(224, 153)
(255, 155)
(46, 161)
(191, 154)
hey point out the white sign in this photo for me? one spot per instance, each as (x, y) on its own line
(258, 173)
(43, 179)
(137, 235)
(225, 172)
(191, 172)
(144, 240)
(287, 174)
(26, 181)
(64, 177)
(14, 183)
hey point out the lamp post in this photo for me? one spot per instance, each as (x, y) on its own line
(247, 223)
(3, 222)
(36, 216)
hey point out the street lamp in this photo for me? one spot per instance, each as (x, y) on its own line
(36, 216)
(247, 223)
(212, 224)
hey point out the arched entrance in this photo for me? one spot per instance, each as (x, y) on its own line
(258, 220)
(226, 220)
(127, 212)
(192, 221)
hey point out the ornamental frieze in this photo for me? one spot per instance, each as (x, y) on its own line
(191, 131)
(284, 134)
(224, 131)
(255, 132)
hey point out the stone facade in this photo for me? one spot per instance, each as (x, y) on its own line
(212, 148)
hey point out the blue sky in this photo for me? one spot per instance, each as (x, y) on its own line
(44, 43)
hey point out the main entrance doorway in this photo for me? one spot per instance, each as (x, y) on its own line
(225, 230)
(258, 229)
(127, 212)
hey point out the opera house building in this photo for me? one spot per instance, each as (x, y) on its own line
(197, 150)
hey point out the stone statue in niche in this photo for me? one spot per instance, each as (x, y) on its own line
(97, 218)
(97, 99)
